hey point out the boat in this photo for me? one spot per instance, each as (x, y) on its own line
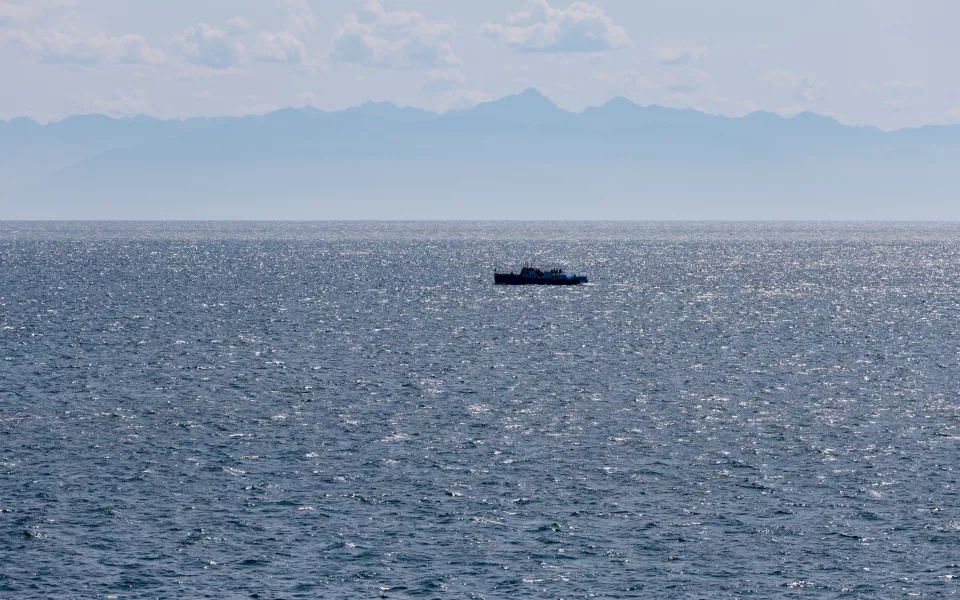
(532, 276)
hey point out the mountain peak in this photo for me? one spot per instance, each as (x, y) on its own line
(533, 96)
(532, 92)
(529, 98)
(19, 125)
(529, 107)
(620, 103)
(22, 122)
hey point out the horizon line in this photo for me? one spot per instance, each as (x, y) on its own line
(527, 91)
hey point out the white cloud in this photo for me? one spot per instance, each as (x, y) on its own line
(26, 11)
(392, 39)
(674, 85)
(686, 82)
(252, 105)
(625, 82)
(210, 47)
(581, 27)
(306, 99)
(281, 46)
(465, 99)
(299, 15)
(9, 13)
(901, 92)
(123, 104)
(237, 25)
(287, 46)
(442, 80)
(802, 89)
(905, 86)
(683, 88)
(680, 55)
(54, 47)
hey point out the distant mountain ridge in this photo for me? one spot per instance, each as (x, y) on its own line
(529, 107)
(521, 146)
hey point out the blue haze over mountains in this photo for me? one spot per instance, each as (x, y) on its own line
(517, 157)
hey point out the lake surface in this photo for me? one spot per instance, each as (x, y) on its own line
(350, 410)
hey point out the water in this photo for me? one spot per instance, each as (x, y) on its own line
(354, 410)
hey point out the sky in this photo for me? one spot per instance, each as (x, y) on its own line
(887, 63)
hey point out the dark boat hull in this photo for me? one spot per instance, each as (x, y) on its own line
(511, 279)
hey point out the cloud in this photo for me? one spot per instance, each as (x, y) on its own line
(680, 55)
(26, 11)
(683, 89)
(281, 46)
(670, 86)
(392, 39)
(306, 99)
(686, 82)
(210, 47)
(286, 46)
(803, 90)
(252, 105)
(625, 82)
(442, 80)
(581, 27)
(54, 47)
(898, 87)
(464, 99)
(9, 13)
(299, 15)
(901, 92)
(237, 25)
(123, 104)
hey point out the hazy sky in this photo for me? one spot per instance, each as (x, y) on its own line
(889, 63)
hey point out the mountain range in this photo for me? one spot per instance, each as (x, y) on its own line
(517, 157)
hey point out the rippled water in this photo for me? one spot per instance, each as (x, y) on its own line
(349, 410)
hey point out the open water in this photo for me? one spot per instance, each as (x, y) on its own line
(353, 410)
